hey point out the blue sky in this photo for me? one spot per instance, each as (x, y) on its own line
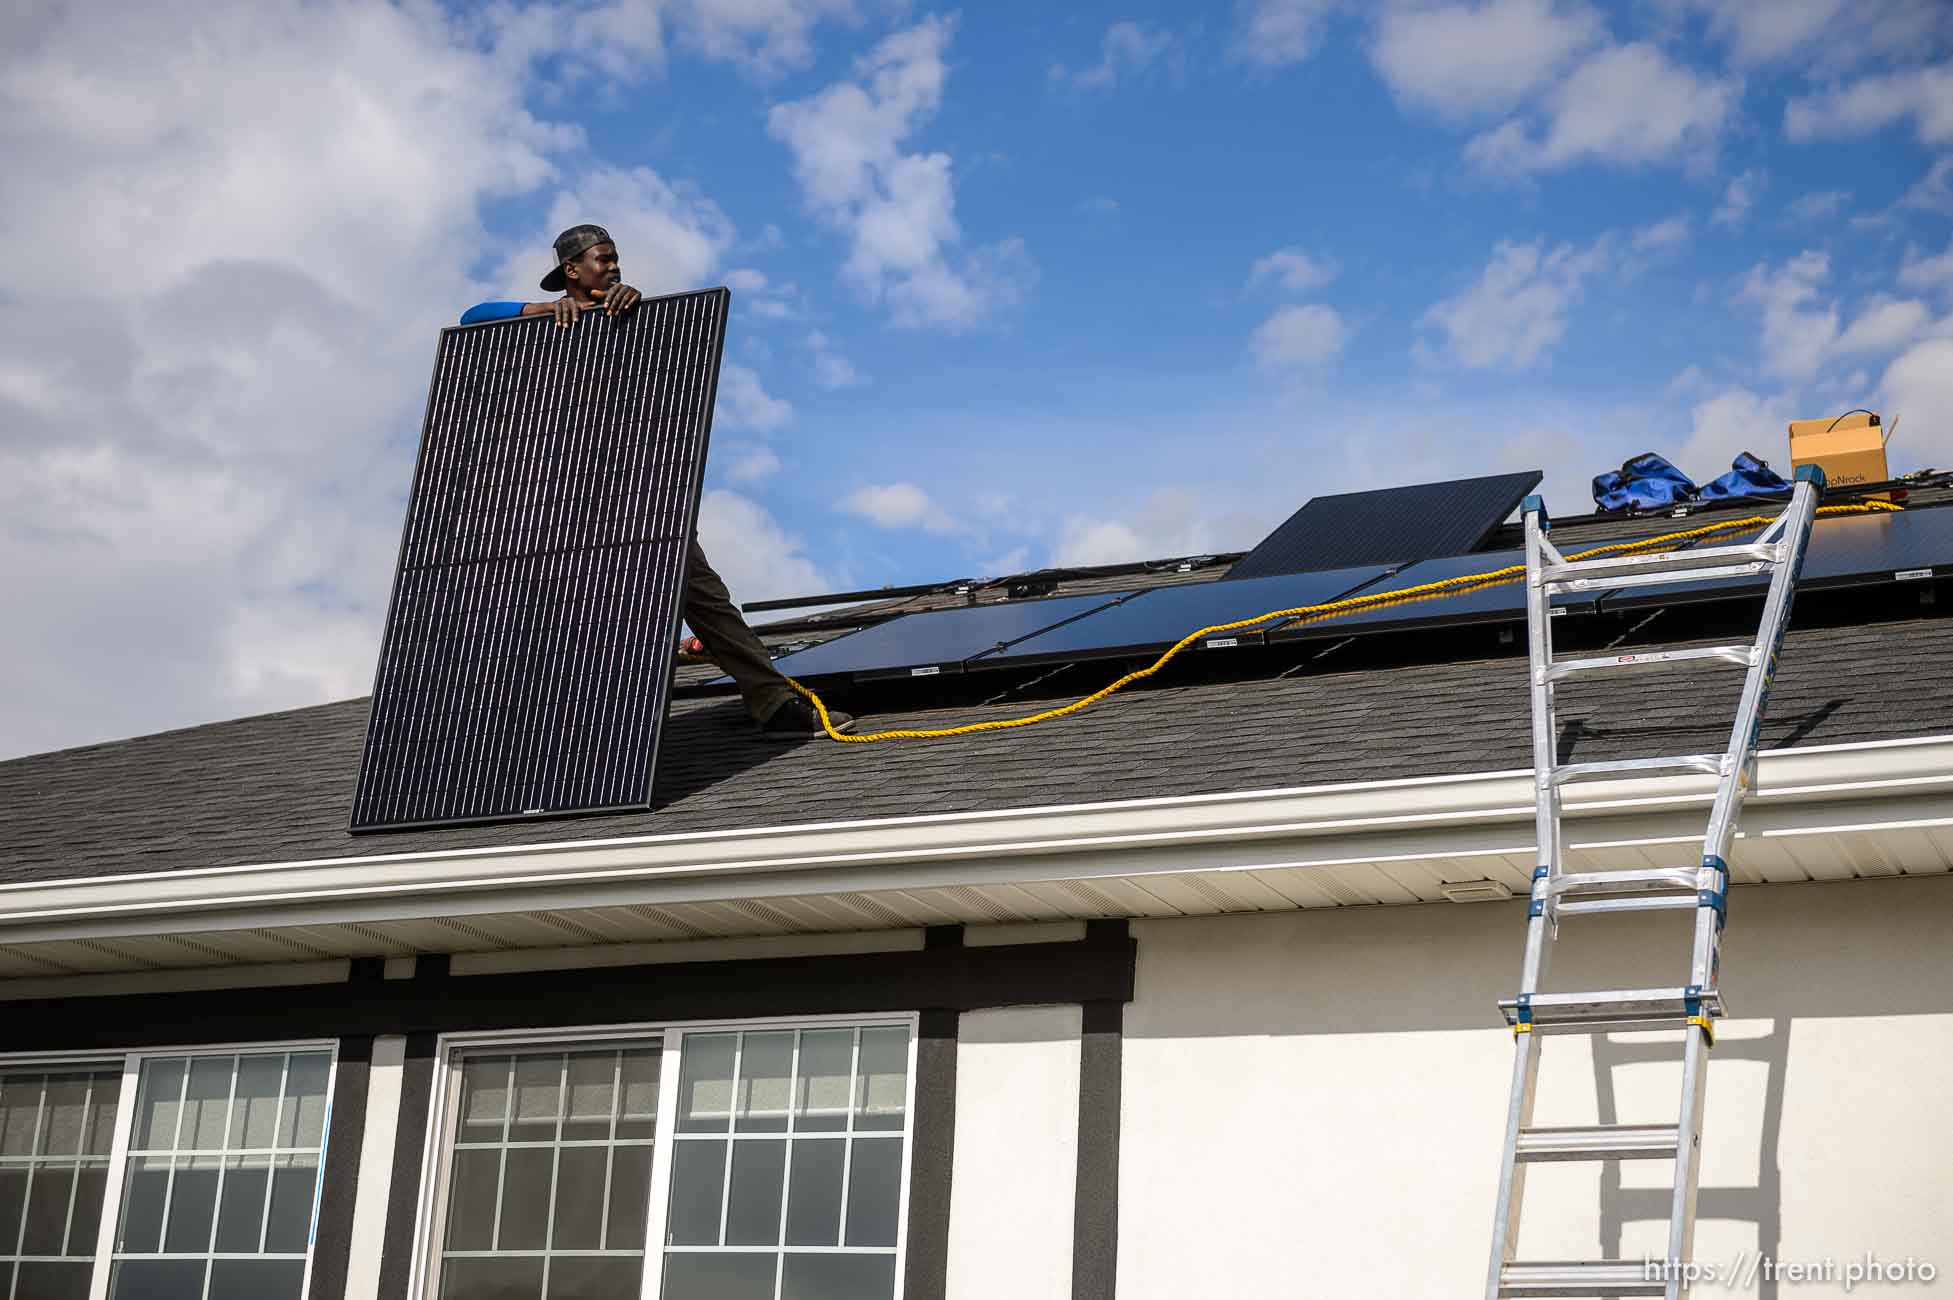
(1012, 286)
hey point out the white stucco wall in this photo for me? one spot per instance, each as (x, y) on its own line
(1016, 1164)
(1312, 1100)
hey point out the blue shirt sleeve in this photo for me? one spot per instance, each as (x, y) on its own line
(482, 311)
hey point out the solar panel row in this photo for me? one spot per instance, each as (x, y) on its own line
(527, 658)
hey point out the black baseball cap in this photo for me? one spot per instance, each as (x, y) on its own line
(570, 245)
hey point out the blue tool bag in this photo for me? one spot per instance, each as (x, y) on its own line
(1646, 482)
(1747, 477)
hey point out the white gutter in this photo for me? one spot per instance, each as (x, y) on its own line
(1869, 786)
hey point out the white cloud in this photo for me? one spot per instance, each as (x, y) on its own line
(1932, 192)
(1276, 33)
(1628, 104)
(897, 208)
(744, 402)
(760, 296)
(752, 463)
(1739, 197)
(1935, 272)
(1925, 95)
(1732, 421)
(765, 38)
(831, 369)
(758, 558)
(1919, 386)
(1517, 307)
(1802, 326)
(1818, 206)
(1885, 324)
(898, 505)
(1461, 60)
(1128, 50)
(1840, 32)
(1169, 522)
(1299, 336)
(1099, 205)
(1294, 268)
(1667, 233)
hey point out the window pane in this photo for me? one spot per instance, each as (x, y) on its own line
(206, 1104)
(193, 1204)
(67, 1105)
(525, 1197)
(294, 1181)
(47, 1212)
(240, 1209)
(592, 1084)
(838, 1277)
(13, 1200)
(157, 1279)
(579, 1199)
(538, 1098)
(256, 1279)
(614, 1278)
(20, 1113)
(303, 1122)
(826, 1064)
(705, 1083)
(874, 1191)
(484, 1098)
(718, 1276)
(884, 1081)
(491, 1279)
(101, 1113)
(158, 1102)
(47, 1280)
(142, 1204)
(473, 1186)
(254, 1113)
(630, 1197)
(93, 1180)
(638, 1117)
(814, 1197)
(753, 1204)
(765, 1082)
(697, 1182)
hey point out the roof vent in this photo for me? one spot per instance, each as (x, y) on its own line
(1476, 891)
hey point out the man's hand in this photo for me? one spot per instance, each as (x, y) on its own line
(566, 309)
(619, 299)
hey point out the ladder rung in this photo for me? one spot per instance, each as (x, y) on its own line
(1573, 883)
(1624, 767)
(1676, 566)
(1740, 655)
(1613, 1009)
(1601, 1277)
(1600, 1142)
(1656, 579)
(1653, 903)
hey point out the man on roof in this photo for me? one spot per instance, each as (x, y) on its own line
(586, 274)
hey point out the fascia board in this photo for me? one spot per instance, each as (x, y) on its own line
(1867, 787)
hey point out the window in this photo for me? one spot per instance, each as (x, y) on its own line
(206, 1165)
(773, 1169)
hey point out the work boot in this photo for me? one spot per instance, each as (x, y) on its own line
(796, 720)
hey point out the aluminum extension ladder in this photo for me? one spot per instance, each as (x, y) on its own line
(1556, 893)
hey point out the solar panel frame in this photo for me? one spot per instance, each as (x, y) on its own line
(531, 632)
(1399, 525)
(1112, 632)
(961, 635)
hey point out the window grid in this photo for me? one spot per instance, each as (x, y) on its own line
(733, 1135)
(98, 1089)
(506, 1142)
(299, 1153)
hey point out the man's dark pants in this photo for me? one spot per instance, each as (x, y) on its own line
(717, 622)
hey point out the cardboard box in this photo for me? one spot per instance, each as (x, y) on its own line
(1849, 449)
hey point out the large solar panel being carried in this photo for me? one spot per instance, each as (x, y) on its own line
(527, 659)
(1391, 526)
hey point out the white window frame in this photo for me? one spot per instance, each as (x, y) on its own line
(131, 1063)
(431, 1201)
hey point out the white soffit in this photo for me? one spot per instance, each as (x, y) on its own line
(1821, 813)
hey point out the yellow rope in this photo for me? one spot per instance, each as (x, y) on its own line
(1446, 586)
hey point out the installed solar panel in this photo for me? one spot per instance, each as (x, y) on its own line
(1492, 602)
(1156, 619)
(1392, 526)
(939, 641)
(528, 651)
(1844, 551)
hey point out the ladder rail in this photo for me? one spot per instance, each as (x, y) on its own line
(1780, 549)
